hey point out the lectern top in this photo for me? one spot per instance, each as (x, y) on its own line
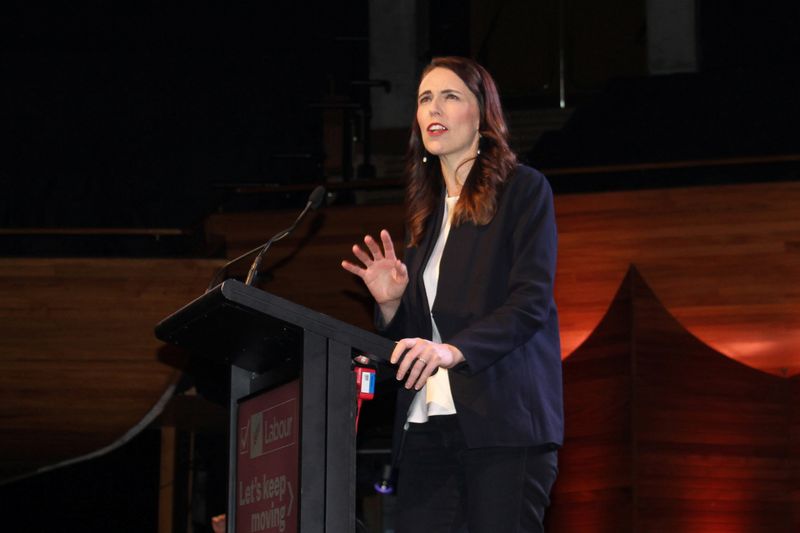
(234, 318)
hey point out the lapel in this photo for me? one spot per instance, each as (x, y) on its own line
(434, 225)
(448, 252)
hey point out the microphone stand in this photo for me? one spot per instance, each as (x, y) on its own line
(315, 199)
(253, 272)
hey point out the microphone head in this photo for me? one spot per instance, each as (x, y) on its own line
(317, 197)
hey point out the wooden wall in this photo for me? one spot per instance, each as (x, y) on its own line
(306, 267)
(78, 358)
(665, 434)
(794, 447)
(725, 260)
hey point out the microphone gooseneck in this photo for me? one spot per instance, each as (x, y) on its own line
(314, 201)
(316, 197)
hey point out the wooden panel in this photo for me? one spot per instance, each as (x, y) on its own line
(595, 488)
(711, 434)
(75, 332)
(78, 358)
(794, 451)
(725, 261)
(712, 442)
(305, 267)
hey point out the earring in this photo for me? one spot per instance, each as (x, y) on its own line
(424, 158)
(479, 151)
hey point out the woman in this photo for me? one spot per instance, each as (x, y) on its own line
(480, 416)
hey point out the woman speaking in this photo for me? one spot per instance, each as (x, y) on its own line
(479, 417)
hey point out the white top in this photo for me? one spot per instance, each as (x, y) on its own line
(435, 398)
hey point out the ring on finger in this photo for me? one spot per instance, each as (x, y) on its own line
(421, 360)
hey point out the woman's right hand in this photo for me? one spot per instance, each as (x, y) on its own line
(384, 274)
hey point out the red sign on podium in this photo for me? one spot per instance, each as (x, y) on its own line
(268, 461)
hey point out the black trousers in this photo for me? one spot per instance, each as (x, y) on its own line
(443, 486)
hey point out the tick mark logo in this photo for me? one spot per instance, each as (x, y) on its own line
(244, 438)
(269, 430)
(256, 435)
(251, 436)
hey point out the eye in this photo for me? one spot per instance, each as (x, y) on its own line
(424, 99)
(452, 96)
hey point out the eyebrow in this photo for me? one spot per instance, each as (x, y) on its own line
(446, 91)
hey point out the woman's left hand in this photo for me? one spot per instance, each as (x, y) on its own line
(420, 358)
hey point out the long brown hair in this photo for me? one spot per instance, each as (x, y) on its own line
(477, 202)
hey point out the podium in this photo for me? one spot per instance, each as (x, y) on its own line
(292, 456)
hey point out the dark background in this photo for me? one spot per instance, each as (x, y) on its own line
(138, 114)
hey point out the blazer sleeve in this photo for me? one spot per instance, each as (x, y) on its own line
(396, 327)
(529, 301)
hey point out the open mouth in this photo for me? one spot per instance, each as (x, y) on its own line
(436, 129)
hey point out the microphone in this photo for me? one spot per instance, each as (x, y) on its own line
(315, 200)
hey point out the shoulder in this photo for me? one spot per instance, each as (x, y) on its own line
(526, 184)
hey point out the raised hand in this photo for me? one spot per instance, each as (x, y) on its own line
(383, 273)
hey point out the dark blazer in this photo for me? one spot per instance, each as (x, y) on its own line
(495, 303)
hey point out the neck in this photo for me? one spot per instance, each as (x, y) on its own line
(456, 167)
(455, 176)
(455, 171)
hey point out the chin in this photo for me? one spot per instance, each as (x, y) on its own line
(434, 150)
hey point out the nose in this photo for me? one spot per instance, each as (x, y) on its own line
(434, 109)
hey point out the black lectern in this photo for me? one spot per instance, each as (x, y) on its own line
(292, 407)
